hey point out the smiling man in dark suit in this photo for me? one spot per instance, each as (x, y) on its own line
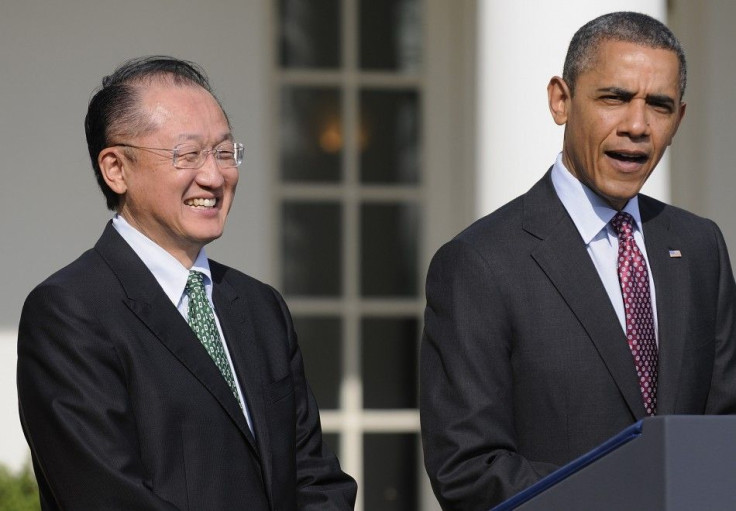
(149, 377)
(581, 306)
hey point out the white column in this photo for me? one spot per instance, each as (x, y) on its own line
(522, 44)
(14, 452)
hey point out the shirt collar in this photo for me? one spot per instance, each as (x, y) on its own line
(168, 271)
(588, 211)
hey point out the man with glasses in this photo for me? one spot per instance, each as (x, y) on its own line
(152, 378)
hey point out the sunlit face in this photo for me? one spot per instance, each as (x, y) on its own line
(624, 113)
(180, 209)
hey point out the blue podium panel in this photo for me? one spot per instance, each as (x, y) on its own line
(669, 463)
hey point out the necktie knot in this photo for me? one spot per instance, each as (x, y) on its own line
(195, 282)
(623, 224)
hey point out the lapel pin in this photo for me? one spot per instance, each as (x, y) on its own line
(675, 253)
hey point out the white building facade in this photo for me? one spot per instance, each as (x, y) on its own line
(374, 131)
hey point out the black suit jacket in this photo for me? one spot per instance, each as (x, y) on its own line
(524, 364)
(124, 409)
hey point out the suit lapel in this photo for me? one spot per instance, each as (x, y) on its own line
(149, 303)
(235, 318)
(563, 257)
(671, 280)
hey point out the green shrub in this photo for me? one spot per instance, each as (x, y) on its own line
(18, 491)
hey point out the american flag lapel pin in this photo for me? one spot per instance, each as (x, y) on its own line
(675, 253)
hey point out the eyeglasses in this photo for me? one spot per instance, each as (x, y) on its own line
(189, 156)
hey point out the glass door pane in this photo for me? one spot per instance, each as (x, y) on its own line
(390, 35)
(388, 250)
(389, 348)
(390, 471)
(311, 252)
(309, 33)
(389, 136)
(311, 136)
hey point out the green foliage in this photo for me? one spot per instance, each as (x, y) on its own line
(18, 492)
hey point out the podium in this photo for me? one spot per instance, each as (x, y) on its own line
(668, 463)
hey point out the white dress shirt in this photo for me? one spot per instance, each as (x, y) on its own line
(172, 277)
(592, 215)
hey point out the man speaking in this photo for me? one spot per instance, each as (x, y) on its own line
(582, 306)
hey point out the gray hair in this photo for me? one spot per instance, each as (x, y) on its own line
(632, 27)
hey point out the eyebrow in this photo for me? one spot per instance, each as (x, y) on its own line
(186, 137)
(652, 99)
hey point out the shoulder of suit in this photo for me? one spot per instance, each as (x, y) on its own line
(539, 206)
(678, 216)
(87, 279)
(83, 269)
(496, 222)
(237, 278)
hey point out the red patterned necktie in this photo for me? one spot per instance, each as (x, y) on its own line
(634, 279)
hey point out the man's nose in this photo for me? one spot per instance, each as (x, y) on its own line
(210, 174)
(636, 121)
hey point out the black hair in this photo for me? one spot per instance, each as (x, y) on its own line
(114, 111)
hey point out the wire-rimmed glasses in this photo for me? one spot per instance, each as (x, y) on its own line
(192, 156)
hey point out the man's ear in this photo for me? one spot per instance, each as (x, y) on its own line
(558, 94)
(112, 164)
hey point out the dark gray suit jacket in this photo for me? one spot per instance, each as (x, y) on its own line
(124, 409)
(524, 364)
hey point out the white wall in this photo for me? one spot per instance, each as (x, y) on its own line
(522, 44)
(52, 56)
(13, 449)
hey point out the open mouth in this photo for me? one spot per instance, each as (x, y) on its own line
(201, 203)
(628, 157)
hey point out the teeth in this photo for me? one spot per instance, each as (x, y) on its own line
(203, 203)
